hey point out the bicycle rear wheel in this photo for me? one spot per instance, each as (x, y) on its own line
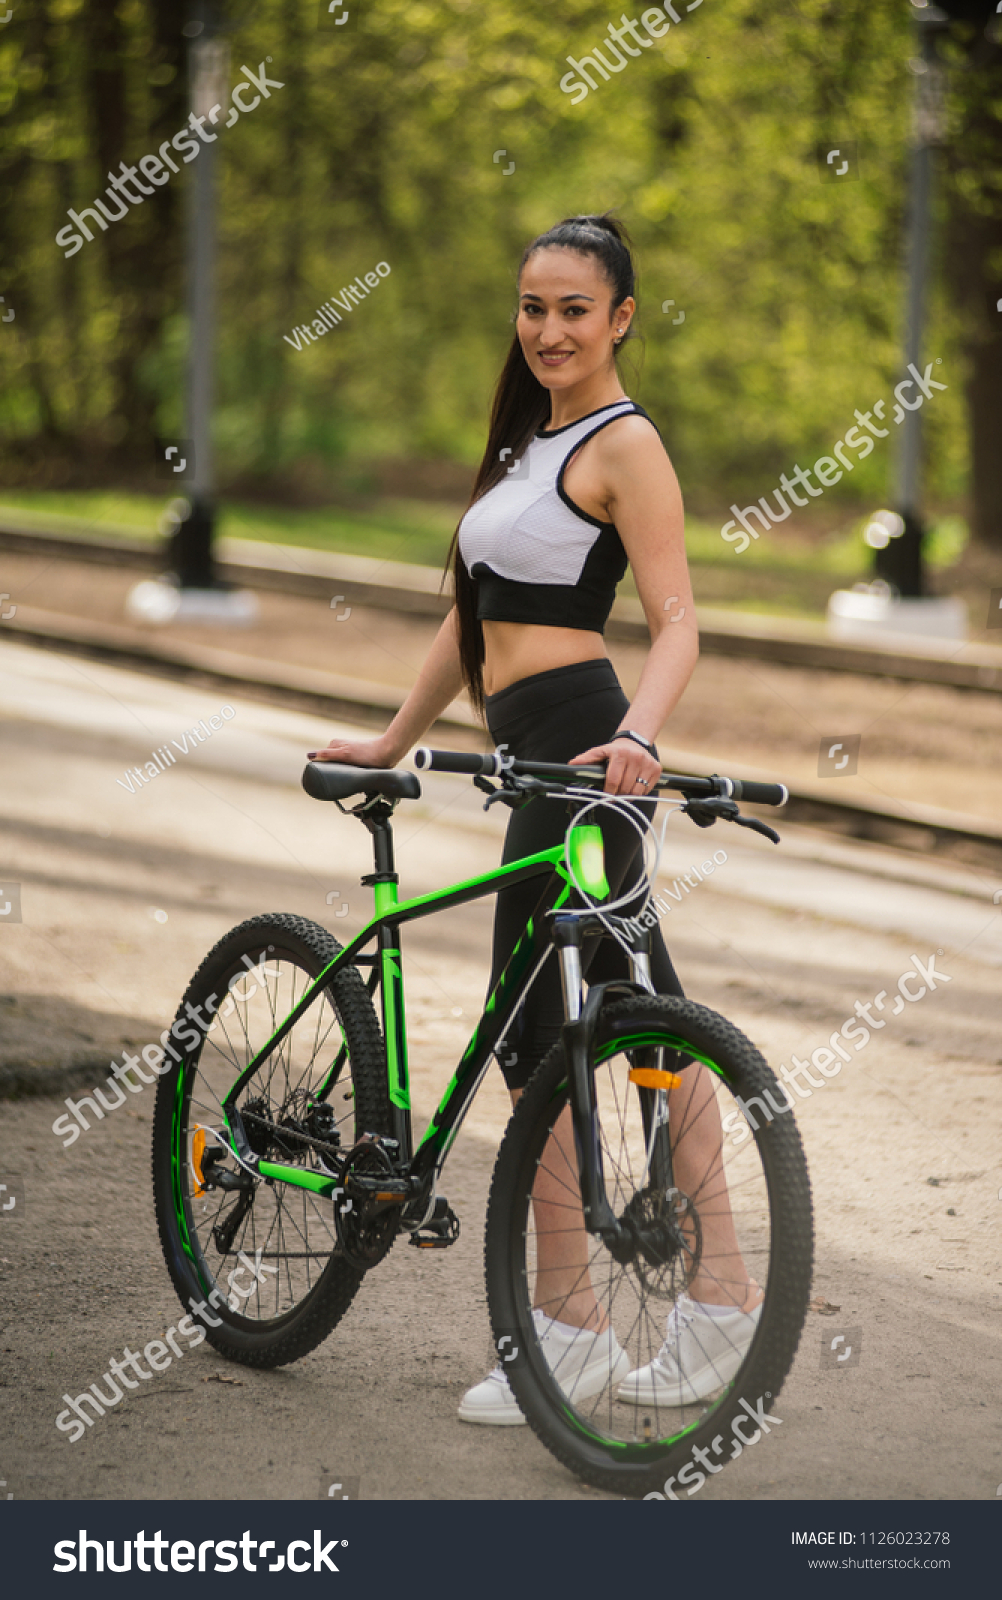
(263, 1260)
(674, 1389)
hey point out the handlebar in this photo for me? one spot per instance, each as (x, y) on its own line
(455, 761)
(493, 765)
(759, 794)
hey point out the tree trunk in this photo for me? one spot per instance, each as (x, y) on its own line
(974, 265)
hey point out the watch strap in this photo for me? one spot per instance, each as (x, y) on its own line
(638, 738)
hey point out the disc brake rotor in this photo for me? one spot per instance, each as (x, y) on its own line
(669, 1240)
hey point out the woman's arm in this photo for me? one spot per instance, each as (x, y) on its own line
(640, 494)
(438, 683)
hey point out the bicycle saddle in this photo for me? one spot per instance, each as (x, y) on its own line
(329, 780)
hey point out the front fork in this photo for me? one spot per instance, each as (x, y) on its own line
(578, 1036)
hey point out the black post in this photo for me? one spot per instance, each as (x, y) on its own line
(190, 548)
(900, 561)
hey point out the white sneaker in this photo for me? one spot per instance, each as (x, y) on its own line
(701, 1353)
(583, 1363)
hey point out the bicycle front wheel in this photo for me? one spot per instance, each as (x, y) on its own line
(261, 1258)
(647, 1365)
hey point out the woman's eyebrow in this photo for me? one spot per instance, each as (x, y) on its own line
(528, 295)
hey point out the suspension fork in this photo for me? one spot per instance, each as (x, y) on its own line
(578, 1036)
(653, 1102)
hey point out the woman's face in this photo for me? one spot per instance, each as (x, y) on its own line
(564, 324)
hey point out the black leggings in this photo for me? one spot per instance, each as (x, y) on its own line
(553, 716)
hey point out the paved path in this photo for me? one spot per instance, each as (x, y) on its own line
(122, 894)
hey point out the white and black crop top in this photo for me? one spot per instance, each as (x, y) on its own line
(533, 554)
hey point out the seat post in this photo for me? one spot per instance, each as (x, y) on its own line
(377, 820)
(384, 882)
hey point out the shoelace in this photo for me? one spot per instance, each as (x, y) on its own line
(679, 1318)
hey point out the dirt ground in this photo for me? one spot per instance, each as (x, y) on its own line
(121, 894)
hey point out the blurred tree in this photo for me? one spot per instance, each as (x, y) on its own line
(380, 147)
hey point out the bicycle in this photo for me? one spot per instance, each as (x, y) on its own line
(283, 1146)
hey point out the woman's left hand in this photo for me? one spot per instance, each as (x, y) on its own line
(631, 770)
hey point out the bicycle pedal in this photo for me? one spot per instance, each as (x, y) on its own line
(441, 1229)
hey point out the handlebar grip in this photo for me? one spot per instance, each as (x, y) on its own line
(453, 761)
(762, 794)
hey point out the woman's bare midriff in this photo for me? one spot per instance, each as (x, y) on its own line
(515, 650)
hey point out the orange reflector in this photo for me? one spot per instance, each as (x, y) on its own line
(197, 1152)
(400, 1198)
(653, 1078)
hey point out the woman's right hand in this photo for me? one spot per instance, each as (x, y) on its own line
(363, 753)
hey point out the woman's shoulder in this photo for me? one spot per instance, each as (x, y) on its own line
(630, 438)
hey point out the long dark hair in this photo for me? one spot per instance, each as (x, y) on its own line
(521, 405)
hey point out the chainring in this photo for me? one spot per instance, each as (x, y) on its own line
(365, 1237)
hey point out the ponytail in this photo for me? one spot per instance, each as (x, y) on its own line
(520, 407)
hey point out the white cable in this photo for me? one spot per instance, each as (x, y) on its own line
(644, 827)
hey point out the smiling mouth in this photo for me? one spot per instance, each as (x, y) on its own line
(555, 355)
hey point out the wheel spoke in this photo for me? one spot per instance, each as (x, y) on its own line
(644, 1337)
(286, 1232)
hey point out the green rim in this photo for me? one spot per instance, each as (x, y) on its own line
(178, 1158)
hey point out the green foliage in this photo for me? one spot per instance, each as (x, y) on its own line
(379, 147)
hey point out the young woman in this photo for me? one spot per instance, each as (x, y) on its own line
(574, 484)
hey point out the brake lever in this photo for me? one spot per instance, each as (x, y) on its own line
(506, 793)
(705, 813)
(757, 827)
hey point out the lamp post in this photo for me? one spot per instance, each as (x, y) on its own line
(208, 73)
(899, 561)
(192, 591)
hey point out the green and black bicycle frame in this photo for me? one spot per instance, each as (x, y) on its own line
(564, 928)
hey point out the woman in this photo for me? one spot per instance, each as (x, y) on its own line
(574, 484)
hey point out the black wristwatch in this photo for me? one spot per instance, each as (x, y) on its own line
(638, 738)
